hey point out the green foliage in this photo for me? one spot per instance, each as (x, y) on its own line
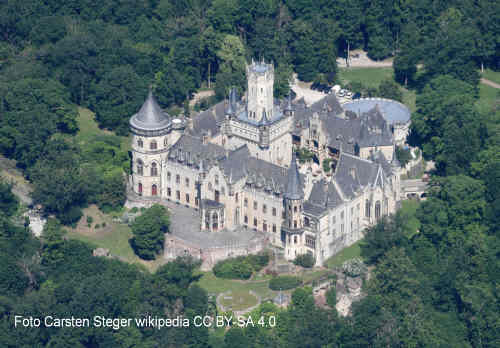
(403, 155)
(8, 202)
(305, 260)
(149, 232)
(241, 267)
(304, 155)
(390, 90)
(284, 282)
(331, 296)
(327, 164)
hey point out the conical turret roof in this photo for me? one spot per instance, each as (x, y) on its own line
(150, 117)
(293, 186)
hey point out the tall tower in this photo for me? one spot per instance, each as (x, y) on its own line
(292, 230)
(260, 77)
(150, 129)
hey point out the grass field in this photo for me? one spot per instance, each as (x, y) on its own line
(372, 77)
(346, 254)
(487, 97)
(491, 75)
(238, 300)
(89, 129)
(217, 285)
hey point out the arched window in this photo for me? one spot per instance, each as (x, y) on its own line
(367, 209)
(154, 169)
(140, 143)
(306, 222)
(377, 209)
(154, 190)
(215, 221)
(216, 180)
(165, 142)
(139, 189)
(140, 167)
(153, 145)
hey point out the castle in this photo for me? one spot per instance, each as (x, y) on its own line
(235, 166)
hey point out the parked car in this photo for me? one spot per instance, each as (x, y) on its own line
(356, 95)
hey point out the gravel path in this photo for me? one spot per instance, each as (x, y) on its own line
(363, 61)
(490, 83)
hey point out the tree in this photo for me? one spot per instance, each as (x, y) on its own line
(390, 90)
(53, 242)
(8, 201)
(231, 57)
(149, 232)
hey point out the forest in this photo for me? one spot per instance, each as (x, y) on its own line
(436, 286)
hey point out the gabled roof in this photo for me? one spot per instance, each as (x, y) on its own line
(324, 195)
(353, 174)
(191, 149)
(150, 117)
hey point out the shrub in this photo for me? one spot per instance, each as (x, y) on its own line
(90, 219)
(134, 210)
(241, 267)
(70, 216)
(305, 260)
(284, 283)
(331, 296)
(103, 224)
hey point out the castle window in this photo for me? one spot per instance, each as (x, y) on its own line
(245, 219)
(377, 210)
(367, 209)
(294, 239)
(140, 143)
(196, 202)
(310, 242)
(187, 182)
(264, 209)
(255, 222)
(294, 223)
(306, 222)
(216, 180)
(169, 176)
(274, 211)
(187, 197)
(153, 145)
(169, 192)
(178, 195)
(140, 167)
(274, 228)
(177, 179)
(154, 169)
(139, 189)
(154, 190)
(245, 202)
(264, 226)
(165, 142)
(236, 197)
(255, 205)
(295, 209)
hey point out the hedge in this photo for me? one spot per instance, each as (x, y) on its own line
(305, 260)
(241, 267)
(284, 282)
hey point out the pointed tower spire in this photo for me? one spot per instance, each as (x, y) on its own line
(293, 189)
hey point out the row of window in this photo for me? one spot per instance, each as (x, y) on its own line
(256, 224)
(140, 168)
(256, 206)
(154, 189)
(153, 145)
(187, 197)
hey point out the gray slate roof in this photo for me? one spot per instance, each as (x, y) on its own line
(191, 151)
(293, 185)
(150, 117)
(208, 120)
(258, 173)
(393, 111)
(365, 173)
(324, 195)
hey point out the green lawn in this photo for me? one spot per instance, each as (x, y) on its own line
(487, 97)
(217, 285)
(372, 77)
(344, 255)
(238, 300)
(491, 75)
(114, 237)
(89, 129)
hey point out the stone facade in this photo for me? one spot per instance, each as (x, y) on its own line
(234, 165)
